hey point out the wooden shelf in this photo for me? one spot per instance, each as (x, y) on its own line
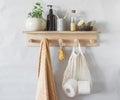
(86, 38)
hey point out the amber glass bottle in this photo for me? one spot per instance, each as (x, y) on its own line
(51, 20)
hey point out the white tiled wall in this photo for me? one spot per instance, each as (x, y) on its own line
(18, 63)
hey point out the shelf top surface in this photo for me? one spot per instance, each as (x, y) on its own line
(57, 32)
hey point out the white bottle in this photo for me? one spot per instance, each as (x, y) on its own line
(73, 24)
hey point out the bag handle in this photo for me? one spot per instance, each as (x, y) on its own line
(80, 50)
(79, 47)
(86, 67)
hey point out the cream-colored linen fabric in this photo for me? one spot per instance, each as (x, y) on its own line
(46, 87)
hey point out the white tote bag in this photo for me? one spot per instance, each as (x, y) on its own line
(77, 78)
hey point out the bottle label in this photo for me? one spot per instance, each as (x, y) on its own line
(73, 26)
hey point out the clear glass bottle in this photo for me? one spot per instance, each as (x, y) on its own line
(73, 24)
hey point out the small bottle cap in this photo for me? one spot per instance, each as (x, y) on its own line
(73, 11)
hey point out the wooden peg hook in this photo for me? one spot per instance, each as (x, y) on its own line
(76, 41)
(92, 41)
(60, 42)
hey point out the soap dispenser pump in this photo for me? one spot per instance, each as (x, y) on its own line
(51, 20)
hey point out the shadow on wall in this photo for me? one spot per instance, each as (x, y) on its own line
(96, 72)
(102, 27)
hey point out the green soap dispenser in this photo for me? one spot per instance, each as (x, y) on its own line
(51, 20)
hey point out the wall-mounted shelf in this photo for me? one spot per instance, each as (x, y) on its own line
(86, 38)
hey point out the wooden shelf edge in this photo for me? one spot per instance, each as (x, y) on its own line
(60, 32)
(86, 38)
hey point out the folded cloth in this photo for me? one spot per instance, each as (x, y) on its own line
(46, 85)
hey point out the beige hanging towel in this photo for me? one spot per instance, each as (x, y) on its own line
(46, 86)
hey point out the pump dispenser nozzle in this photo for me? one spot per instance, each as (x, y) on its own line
(50, 11)
(50, 6)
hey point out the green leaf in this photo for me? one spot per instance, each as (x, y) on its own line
(36, 11)
(38, 3)
(35, 7)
